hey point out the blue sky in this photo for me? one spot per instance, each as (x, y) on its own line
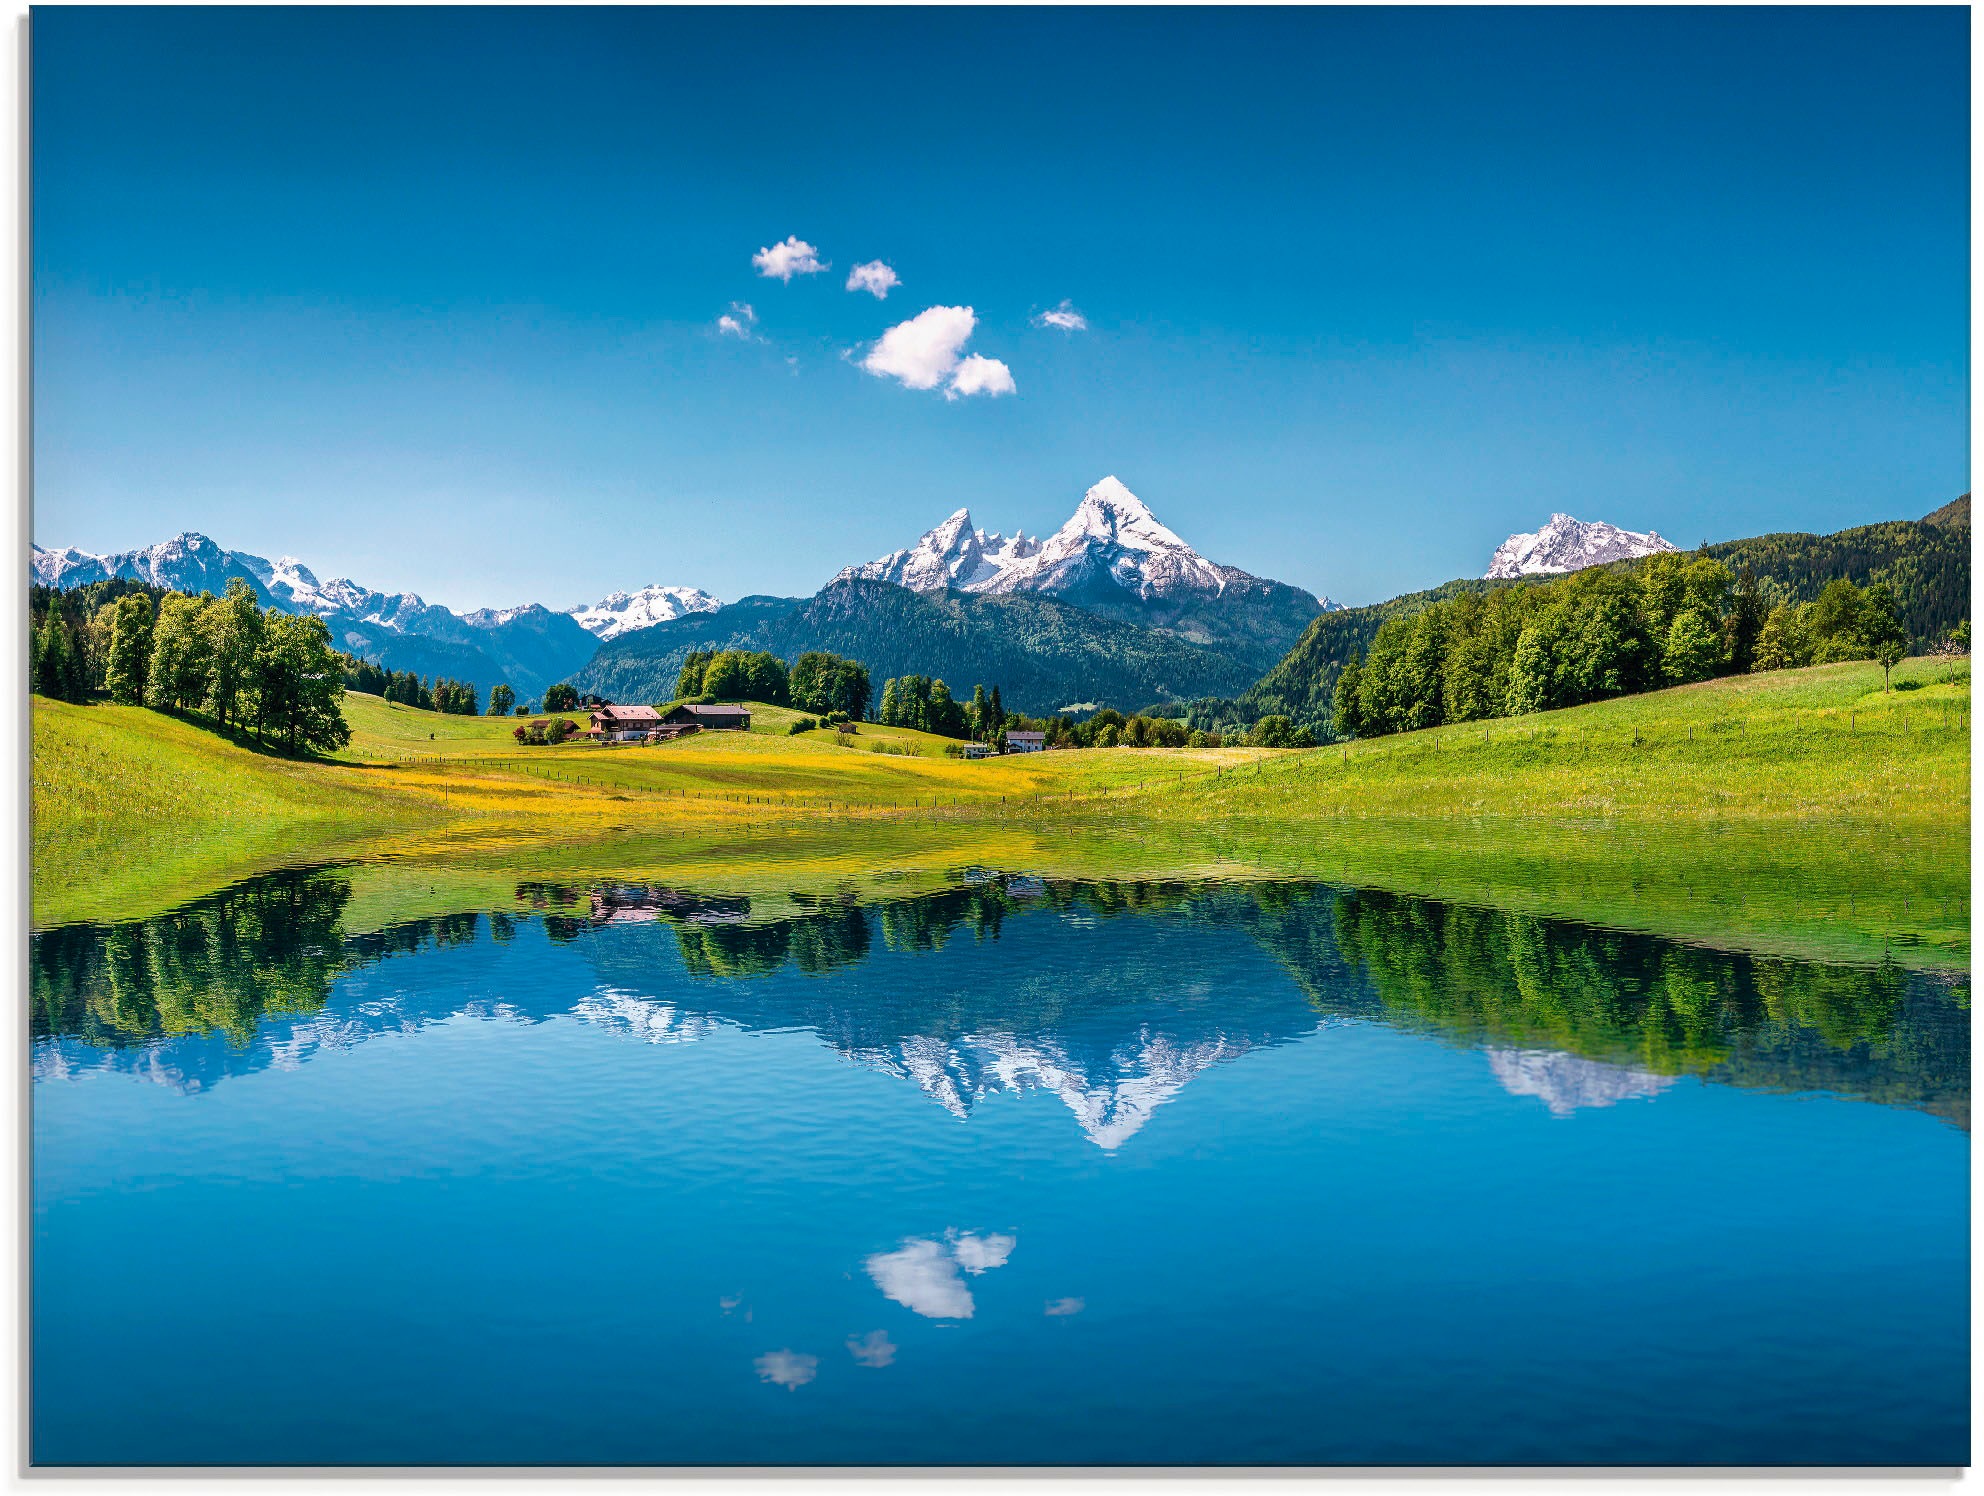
(430, 298)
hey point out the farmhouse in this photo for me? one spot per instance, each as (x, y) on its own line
(1025, 742)
(723, 716)
(623, 724)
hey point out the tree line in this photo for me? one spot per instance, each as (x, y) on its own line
(1673, 619)
(1154, 728)
(455, 697)
(265, 673)
(818, 682)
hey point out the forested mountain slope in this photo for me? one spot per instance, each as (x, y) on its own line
(1043, 654)
(1926, 562)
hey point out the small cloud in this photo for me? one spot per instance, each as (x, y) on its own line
(790, 1369)
(875, 278)
(783, 261)
(873, 1349)
(1064, 317)
(739, 322)
(978, 375)
(1059, 1308)
(921, 351)
(730, 1301)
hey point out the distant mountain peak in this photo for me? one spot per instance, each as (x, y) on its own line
(1570, 544)
(625, 612)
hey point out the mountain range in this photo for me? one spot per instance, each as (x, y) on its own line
(1113, 608)
(529, 646)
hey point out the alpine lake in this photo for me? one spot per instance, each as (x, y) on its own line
(1005, 1162)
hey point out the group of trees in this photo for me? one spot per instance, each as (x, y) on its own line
(1843, 622)
(1109, 728)
(733, 675)
(69, 635)
(830, 686)
(552, 732)
(1601, 632)
(917, 701)
(455, 697)
(267, 673)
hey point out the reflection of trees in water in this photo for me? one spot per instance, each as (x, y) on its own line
(1494, 977)
(274, 946)
(267, 948)
(215, 966)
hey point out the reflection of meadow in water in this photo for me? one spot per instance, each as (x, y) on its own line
(264, 974)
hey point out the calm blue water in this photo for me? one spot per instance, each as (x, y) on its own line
(1016, 1174)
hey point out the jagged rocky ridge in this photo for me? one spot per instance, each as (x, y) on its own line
(1567, 544)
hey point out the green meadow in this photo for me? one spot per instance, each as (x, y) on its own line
(1803, 811)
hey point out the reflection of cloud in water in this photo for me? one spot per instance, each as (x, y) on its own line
(922, 1275)
(1566, 1082)
(873, 1349)
(1059, 1308)
(978, 1254)
(791, 1369)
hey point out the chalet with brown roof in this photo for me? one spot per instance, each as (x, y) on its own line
(720, 716)
(623, 724)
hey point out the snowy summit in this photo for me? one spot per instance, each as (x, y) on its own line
(1567, 544)
(625, 612)
(1112, 540)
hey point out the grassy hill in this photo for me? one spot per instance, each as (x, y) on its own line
(1800, 810)
(1927, 562)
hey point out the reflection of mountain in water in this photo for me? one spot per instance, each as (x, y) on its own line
(1110, 996)
(1567, 1083)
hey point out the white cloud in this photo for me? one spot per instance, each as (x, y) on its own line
(739, 321)
(1061, 1308)
(921, 351)
(928, 350)
(921, 1276)
(873, 1349)
(790, 1369)
(874, 277)
(978, 375)
(1064, 317)
(783, 261)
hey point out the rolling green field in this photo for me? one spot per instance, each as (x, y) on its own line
(1806, 810)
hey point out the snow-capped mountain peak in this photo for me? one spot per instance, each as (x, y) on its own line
(624, 612)
(1113, 535)
(954, 554)
(1568, 544)
(1112, 541)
